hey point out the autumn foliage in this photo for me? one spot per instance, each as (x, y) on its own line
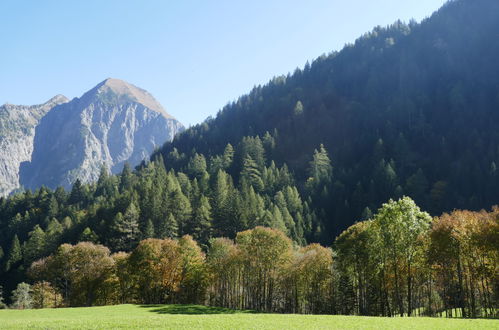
(400, 262)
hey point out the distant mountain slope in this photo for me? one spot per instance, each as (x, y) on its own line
(111, 124)
(17, 130)
(408, 109)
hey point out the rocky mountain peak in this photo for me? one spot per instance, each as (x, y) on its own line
(113, 123)
(119, 91)
(58, 99)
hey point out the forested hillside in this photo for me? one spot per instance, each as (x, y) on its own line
(121, 210)
(410, 109)
(400, 263)
(405, 110)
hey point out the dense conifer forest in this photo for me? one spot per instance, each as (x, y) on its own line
(409, 109)
(277, 203)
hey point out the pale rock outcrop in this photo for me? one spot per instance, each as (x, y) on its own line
(17, 131)
(111, 124)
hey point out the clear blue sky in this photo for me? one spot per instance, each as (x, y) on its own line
(193, 56)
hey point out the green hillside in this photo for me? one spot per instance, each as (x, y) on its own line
(408, 109)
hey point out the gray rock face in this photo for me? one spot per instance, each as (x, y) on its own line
(113, 123)
(17, 131)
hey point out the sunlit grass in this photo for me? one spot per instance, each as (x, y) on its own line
(196, 317)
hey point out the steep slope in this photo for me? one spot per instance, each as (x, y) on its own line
(408, 109)
(111, 124)
(17, 131)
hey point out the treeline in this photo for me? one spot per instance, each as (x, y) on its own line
(216, 197)
(253, 271)
(400, 262)
(404, 263)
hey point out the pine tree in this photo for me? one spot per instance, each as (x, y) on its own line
(53, 207)
(220, 202)
(168, 228)
(320, 169)
(15, 254)
(148, 231)
(298, 110)
(180, 207)
(77, 194)
(88, 235)
(201, 229)
(251, 174)
(35, 246)
(105, 183)
(126, 178)
(125, 228)
(277, 220)
(197, 166)
(228, 156)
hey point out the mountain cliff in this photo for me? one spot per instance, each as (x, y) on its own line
(17, 131)
(113, 123)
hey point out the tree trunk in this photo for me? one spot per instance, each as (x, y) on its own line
(461, 289)
(409, 289)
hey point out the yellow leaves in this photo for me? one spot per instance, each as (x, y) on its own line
(166, 264)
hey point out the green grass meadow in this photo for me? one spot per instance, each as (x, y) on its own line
(201, 317)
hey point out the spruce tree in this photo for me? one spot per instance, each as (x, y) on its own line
(168, 228)
(250, 174)
(77, 194)
(35, 246)
(228, 156)
(148, 230)
(15, 254)
(88, 235)
(125, 229)
(201, 229)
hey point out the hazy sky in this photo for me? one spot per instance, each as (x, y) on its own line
(193, 56)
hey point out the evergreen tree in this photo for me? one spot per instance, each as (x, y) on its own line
(88, 235)
(15, 254)
(53, 207)
(298, 110)
(320, 169)
(35, 246)
(125, 229)
(148, 231)
(180, 207)
(197, 166)
(201, 228)
(251, 175)
(168, 228)
(228, 156)
(77, 193)
(126, 178)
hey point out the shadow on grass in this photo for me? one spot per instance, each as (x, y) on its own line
(192, 309)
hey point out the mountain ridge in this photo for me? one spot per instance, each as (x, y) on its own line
(113, 123)
(61, 140)
(122, 92)
(17, 130)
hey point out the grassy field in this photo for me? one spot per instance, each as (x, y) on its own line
(196, 317)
